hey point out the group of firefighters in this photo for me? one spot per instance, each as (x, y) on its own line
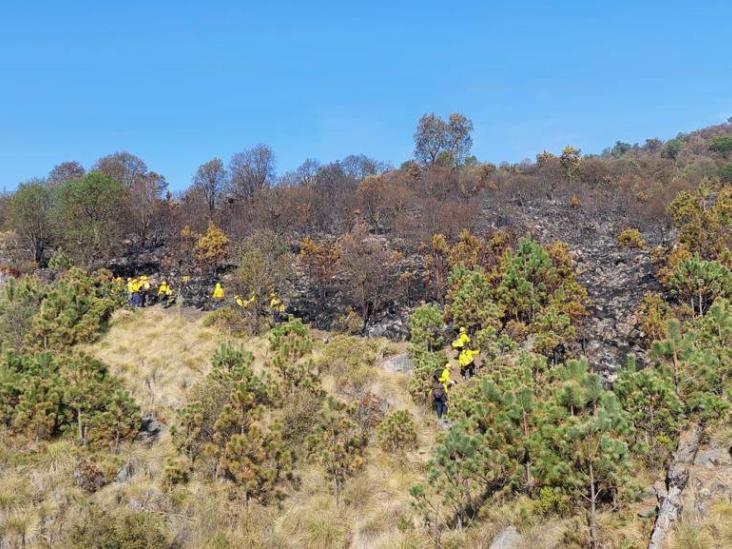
(141, 293)
(441, 381)
(275, 303)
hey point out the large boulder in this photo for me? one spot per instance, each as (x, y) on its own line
(508, 538)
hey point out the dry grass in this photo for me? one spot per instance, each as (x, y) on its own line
(159, 354)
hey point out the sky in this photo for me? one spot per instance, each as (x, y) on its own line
(179, 82)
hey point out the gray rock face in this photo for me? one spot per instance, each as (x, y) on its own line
(508, 538)
(616, 279)
(399, 364)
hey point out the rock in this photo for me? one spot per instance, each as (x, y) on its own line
(676, 479)
(124, 474)
(508, 538)
(713, 457)
(401, 363)
(150, 429)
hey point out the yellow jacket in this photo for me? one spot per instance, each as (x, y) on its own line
(131, 285)
(462, 340)
(144, 284)
(445, 378)
(467, 356)
(245, 303)
(218, 291)
(276, 304)
(164, 289)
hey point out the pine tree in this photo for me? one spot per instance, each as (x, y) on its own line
(527, 275)
(425, 327)
(588, 441)
(699, 282)
(290, 342)
(425, 365)
(76, 310)
(396, 432)
(470, 302)
(257, 461)
(654, 409)
(338, 444)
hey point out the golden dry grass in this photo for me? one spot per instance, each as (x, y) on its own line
(159, 354)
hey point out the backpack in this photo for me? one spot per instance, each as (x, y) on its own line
(438, 392)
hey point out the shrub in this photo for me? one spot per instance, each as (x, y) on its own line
(266, 265)
(631, 238)
(212, 247)
(60, 262)
(349, 323)
(725, 173)
(699, 282)
(20, 301)
(99, 529)
(653, 314)
(397, 433)
(77, 308)
(46, 396)
(426, 327)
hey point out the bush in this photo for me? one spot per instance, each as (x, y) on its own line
(231, 319)
(397, 433)
(211, 248)
(76, 310)
(426, 327)
(20, 301)
(631, 238)
(46, 396)
(653, 314)
(725, 173)
(699, 282)
(100, 529)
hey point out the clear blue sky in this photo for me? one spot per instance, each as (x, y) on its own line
(180, 82)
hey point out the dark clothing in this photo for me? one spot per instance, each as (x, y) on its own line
(468, 370)
(439, 399)
(440, 408)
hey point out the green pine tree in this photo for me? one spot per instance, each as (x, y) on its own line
(338, 444)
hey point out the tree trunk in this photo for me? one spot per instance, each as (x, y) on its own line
(676, 478)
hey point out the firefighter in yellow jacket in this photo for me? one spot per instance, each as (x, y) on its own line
(462, 341)
(467, 362)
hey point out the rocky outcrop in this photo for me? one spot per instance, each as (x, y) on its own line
(671, 503)
(508, 538)
(616, 278)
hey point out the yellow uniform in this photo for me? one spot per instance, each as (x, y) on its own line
(462, 341)
(164, 290)
(445, 378)
(218, 291)
(467, 356)
(276, 304)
